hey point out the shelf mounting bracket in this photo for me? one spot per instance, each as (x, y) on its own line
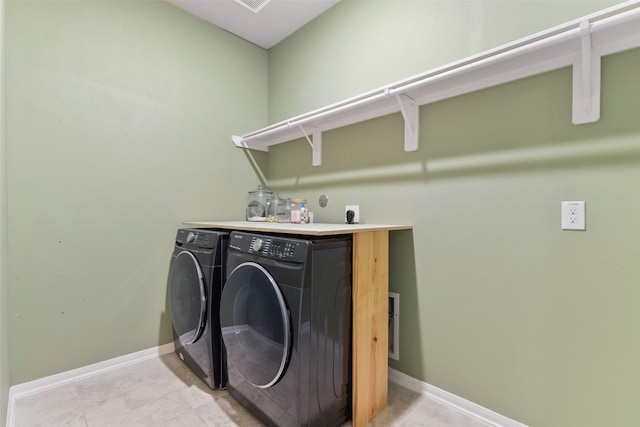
(410, 112)
(586, 80)
(315, 141)
(238, 141)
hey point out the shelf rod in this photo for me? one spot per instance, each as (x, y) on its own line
(297, 122)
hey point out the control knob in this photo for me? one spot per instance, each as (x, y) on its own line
(256, 245)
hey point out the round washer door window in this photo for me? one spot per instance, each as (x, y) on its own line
(187, 298)
(255, 325)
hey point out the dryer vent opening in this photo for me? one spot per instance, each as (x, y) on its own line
(394, 325)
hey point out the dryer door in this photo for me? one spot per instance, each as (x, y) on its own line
(255, 325)
(187, 298)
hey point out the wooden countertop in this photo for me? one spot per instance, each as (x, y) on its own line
(315, 229)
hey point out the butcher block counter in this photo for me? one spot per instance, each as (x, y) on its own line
(316, 229)
(370, 281)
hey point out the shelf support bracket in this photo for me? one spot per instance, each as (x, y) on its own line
(586, 80)
(315, 141)
(238, 141)
(410, 111)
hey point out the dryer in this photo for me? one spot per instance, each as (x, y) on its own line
(286, 324)
(196, 277)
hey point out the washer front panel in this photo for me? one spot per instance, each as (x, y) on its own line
(255, 322)
(187, 298)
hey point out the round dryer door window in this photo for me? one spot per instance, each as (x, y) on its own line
(187, 298)
(255, 325)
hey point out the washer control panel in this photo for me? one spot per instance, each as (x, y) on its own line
(270, 246)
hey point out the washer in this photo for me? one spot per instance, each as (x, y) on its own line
(195, 283)
(286, 324)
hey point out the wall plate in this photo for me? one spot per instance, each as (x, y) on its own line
(356, 213)
(573, 216)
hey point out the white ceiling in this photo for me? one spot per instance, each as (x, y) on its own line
(273, 21)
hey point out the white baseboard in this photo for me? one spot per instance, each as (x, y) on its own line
(473, 410)
(36, 386)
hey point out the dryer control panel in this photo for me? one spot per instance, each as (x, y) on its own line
(198, 238)
(291, 250)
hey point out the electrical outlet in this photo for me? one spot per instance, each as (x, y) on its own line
(356, 213)
(394, 325)
(573, 216)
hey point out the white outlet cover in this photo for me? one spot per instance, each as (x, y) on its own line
(356, 211)
(573, 216)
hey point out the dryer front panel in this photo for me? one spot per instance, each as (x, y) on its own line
(187, 298)
(256, 327)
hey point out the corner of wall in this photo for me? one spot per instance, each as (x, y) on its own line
(4, 332)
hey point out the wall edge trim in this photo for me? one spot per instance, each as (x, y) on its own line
(457, 403)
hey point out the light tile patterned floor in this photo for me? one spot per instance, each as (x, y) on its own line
(164, 392)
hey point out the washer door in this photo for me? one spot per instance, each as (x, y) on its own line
(255, 325)
(187, 298)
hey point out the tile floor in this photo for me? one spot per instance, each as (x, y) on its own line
(164, 392)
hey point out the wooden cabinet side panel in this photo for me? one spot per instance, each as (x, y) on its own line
(370, 324)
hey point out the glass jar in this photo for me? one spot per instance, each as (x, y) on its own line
(283, 210)
(258, 204)
(279, 209)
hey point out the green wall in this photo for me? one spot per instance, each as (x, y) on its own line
(119, 116)
(4, 327)
(498, 304)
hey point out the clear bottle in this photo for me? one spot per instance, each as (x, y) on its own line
(304, 217)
